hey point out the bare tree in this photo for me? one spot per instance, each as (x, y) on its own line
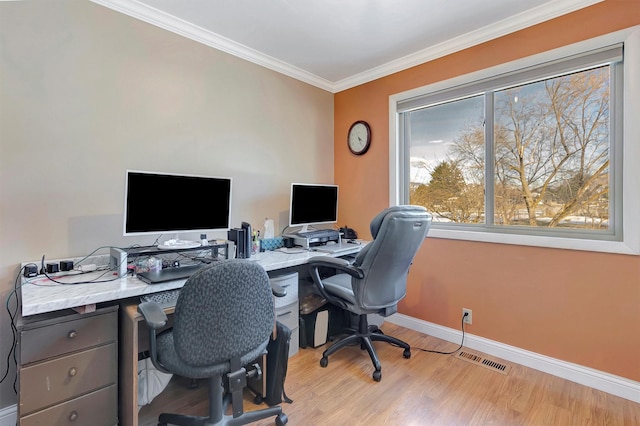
(547, 136)
(551, 157)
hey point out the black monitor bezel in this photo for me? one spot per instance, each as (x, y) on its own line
(165, 201)
(295, 220)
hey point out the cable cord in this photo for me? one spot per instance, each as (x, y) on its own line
(446, 353)
(440, 352)
(95, 280)
(13, 314)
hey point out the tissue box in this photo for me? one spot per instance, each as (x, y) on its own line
(269, 244)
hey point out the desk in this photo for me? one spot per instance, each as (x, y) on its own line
(49, 297)
(41, 295)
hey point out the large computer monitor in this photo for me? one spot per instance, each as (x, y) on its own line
(313, 204)
(166, 203)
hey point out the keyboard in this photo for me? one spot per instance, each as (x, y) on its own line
(169, 274)
(166, 299)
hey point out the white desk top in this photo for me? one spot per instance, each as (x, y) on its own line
(40, 295)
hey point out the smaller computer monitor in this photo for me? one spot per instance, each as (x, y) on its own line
(313, 204)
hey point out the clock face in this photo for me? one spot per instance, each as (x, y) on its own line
(359, 137)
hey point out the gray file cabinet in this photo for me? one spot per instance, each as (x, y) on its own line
(68, 369)
(287, 307)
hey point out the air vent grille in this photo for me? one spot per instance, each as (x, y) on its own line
(484, 362)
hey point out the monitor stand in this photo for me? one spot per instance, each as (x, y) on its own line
(305, 228)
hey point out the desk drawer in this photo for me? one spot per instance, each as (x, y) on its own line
(98, 408)
(50, 382)
(288, 315)
(289, 283)
(39, 343)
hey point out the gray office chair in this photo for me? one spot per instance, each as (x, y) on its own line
(223, 320)
(376, 280)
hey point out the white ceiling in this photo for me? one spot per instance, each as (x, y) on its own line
(338, 44)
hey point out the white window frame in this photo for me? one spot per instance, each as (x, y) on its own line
(630, 243)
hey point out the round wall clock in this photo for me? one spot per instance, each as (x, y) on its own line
(359, 137)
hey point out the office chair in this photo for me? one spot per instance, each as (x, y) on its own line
(223, 320)
(376, 280)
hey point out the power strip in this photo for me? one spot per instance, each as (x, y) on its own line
(88, 268)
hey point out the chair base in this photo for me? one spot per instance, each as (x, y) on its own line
(218, 404)
(365, 336)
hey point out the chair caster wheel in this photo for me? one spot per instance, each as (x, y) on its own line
(324, 361)
(407, 353)
(377, 375)
(258, 400)
(282, 419)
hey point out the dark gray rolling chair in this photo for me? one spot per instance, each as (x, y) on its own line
(376, 280)
(223, 320)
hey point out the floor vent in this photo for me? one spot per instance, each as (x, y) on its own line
(484, 362)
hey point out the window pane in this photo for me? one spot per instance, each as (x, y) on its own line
(552, 152)
(446, 149)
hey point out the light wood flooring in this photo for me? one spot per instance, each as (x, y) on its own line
(427, 389)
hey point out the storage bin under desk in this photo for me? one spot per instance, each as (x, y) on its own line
(287, 307)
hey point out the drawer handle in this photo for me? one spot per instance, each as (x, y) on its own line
(72, 334)
(73, 371)
(73, 416)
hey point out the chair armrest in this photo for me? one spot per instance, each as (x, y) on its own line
(155, 318)
(153, 314)
(342, 265)
(337, 263)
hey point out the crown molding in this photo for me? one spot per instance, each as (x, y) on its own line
(501, 28)
(156, 17)
(512, 24)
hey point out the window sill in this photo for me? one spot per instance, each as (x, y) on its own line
(535, 241)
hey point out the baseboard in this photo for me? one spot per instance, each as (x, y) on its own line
(615, 385)
(9, 415)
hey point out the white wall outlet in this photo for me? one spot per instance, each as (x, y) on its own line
(468, 318)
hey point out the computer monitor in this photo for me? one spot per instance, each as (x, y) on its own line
(313, 204)
(166, 203)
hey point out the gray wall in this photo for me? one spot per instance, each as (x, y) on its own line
(86, 93)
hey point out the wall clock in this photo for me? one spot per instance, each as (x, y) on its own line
(359, 137)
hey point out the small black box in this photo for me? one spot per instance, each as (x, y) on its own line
(52, 267)
(66, 265)
(30, 271)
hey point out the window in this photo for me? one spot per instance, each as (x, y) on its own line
(532, 152)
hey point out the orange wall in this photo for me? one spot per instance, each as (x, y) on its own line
(576, 306)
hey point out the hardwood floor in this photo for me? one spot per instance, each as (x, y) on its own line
(427, 389)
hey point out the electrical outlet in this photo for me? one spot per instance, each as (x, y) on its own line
(468, 318)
